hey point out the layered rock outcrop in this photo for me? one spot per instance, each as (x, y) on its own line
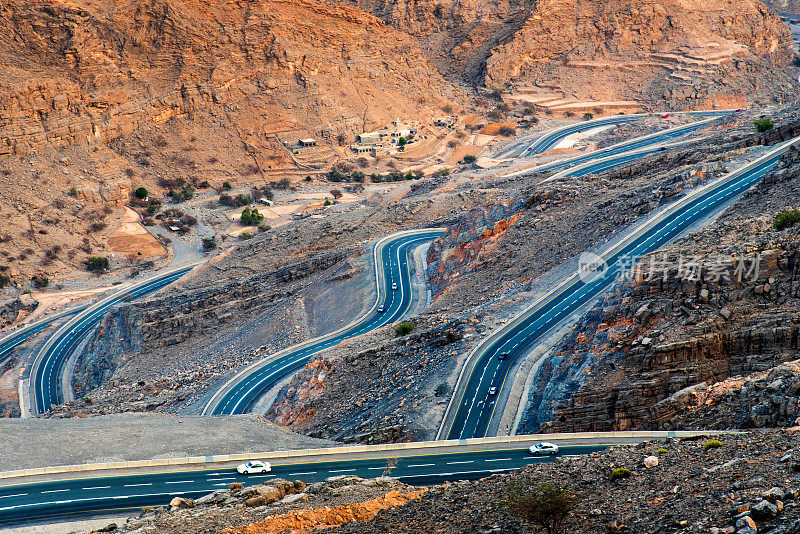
(675, 50)
(81, 73)
(716, 305)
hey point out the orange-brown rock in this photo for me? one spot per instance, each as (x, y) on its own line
(678, 50)
(303, 521)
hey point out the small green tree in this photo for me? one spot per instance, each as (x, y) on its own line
(251, 217)
(402, 141)
(763, 125)
(545, 504)
(141, 193)
(469, 159)
(403, 328)
(97, 264)
(327, 202)
(786, 218)
(209, 243)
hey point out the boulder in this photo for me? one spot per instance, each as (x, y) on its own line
(651, 461)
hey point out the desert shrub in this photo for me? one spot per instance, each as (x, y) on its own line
(357, 176)
(786, 218)
(408, 176)
(87, 400)
(227, 185)
(662, 450)
(97, 264)
(469, 159)
(403, 328)
(209, 243)
(40, 280)
(256, 193)
(327, 202)
(363, 162)
(441, 173)
(97, 226)
(447, 108)
(712, 444)
(4, 280)
(545, 504)
(763, 125)
(203, 185)
(452, 143)
(507, 131)
(341, 139)
(264, 227)
(245, 236)
(171, 183)
(588, 116)
(152, 209)
(283, 183)
(418, 173)
(495, 114)
(336, 193)
(242, 199)
(141, 193)
(620, 472)
(251, 217)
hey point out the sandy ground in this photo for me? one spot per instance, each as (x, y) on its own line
(55, 301)
(28, 443)
(130, 238)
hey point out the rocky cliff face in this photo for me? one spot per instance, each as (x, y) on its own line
(675, 50)
(651, 349)
(85, 73)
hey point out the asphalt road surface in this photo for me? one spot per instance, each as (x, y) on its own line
(241, 397)
(27, 502)
(46, 376)
(476, 406)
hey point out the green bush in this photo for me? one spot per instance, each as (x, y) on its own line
(40, 280)
(245, 236)
(507, 131)
(327, 202)
(251, 217)
(403, 328)
(209, 243)
(141, 193)
(763, 125)
(97, 264)
(786, 218)
(227, 185)
(4, 280)
(469, 159)
(620, 472)
(662, 450)
(87, 400)
(712, 444)
(264, 227)
(545, 504)
(152, 209)
(242, 199)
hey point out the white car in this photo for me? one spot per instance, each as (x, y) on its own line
(253, 467)
(493, 390)
(543, 449)
(394, 286)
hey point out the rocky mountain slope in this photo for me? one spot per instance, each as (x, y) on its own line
(668, 53)
(99, 98)
(718, 306)
(748, 482)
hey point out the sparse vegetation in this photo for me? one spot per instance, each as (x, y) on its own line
(40, 280)
(227, 185)
(327, 202)
(336, 193)
(662, 450)
(441, 173)
(403, 328)
(141, 193)
(469, 159)
(507, 131)
(786, 218)
(620, 472)
(209, 243)
(545, 504)
(588, 116)
(712, 444)
(4, 280)
(244, 236)
(264, 227)
(97, 264)
(763, 125)
(251, 217)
